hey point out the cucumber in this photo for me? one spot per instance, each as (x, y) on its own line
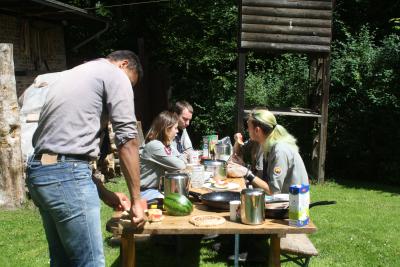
(177, 205)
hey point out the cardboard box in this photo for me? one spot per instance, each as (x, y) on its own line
(299, 202)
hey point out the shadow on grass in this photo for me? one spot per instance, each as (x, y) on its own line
(369, 185)
(167, 251)
(187, 251)
(220, 249)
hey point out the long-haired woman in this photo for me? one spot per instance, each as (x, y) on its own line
(283, 165)
(158, 155)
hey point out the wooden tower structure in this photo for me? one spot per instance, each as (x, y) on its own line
(291, 26)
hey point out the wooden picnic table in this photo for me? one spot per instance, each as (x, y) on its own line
(180, 225)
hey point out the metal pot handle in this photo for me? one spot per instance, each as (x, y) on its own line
(196, 195)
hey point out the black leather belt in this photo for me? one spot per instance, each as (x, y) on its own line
(66, 157)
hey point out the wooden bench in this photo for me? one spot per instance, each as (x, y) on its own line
(297, 248)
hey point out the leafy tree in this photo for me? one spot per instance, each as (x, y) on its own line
(196, 40)
(365, 107)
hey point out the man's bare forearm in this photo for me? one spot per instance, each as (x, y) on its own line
(100, 187)
(106, 195)
(129, 160)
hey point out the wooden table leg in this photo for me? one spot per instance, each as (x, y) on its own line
(128, 250)
(275, 251)
(236, 262)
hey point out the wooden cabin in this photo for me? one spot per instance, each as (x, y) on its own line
(37, 28)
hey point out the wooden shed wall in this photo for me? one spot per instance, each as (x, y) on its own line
(286, 25)
(38, 47)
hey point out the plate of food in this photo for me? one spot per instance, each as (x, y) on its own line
(221, 185)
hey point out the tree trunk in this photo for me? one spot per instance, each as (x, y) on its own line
(12, 190)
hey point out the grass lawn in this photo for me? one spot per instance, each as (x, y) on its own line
(362, 229)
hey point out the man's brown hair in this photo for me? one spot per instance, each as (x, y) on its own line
(132, 58)
(181, 105)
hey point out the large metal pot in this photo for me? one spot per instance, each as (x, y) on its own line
(217, 168)
(175, 182)
(252, 206)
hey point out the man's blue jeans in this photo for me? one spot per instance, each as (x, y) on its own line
(69, 204)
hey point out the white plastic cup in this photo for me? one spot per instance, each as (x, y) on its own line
(194, 157)
(234, 210)
(197, 176)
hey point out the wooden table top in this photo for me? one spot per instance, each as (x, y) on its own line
(181, 224)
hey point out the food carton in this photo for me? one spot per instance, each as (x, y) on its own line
(299, 201)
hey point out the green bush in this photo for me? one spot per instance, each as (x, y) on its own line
(281, 81)
(365, 107)
(197, 42)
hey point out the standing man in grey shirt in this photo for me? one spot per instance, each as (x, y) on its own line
(182, 141)
(77, 108)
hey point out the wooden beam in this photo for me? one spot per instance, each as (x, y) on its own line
(286, 21)
(296, 112)
(240, 91)
(282, 38)
(324, 119)
(127, 249)
(274, 251)
(303, 48)
(289, 30)
(325, 5)
(287, 12)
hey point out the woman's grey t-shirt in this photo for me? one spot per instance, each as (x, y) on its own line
(155, 159)
(79, 105)
(285, 167)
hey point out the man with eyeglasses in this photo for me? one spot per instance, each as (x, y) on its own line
(59, 178)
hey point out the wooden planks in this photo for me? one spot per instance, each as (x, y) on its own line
(270, 20)
(294, 26)
(180, 225)
(298, 244)
(287, 12)
(284, 38)
(296, 112)
(310, 4)
(303, 48)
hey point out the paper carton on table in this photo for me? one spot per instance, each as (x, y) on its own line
(299, 201)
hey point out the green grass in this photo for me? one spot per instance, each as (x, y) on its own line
(362, 229)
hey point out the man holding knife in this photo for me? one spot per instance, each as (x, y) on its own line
(77, 108)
